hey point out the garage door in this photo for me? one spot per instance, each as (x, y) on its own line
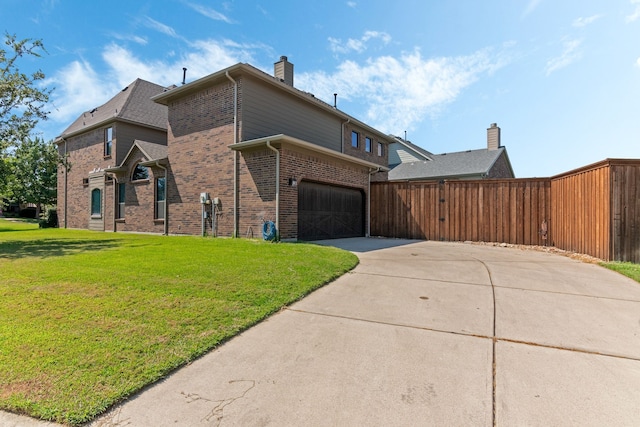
(329, 212)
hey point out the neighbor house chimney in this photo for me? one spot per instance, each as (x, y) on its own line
(493, 137)
(283, 70)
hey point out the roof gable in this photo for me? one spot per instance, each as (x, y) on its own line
(132, 104)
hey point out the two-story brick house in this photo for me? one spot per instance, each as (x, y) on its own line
(256, 148)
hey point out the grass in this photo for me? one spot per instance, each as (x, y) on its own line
(627, 268)
(87, 319)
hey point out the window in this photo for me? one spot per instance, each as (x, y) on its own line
(161, 195)
(140, 172)
(108, 141)
(367, 144)
(380, 149)
(121, 198)
(96, 202)
(354, 139)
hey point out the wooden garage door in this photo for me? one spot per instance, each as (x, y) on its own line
(329, 212)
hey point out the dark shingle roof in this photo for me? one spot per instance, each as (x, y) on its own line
(132, 104)
(152, 150)
(472, 163)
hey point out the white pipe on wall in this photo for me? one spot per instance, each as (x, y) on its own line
(235, 154)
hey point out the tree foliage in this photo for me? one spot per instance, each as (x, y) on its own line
(22, 101)
(35, 165)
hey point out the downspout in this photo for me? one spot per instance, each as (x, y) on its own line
(235, 154)
(342, 134)
(166, 199)
(66, 172)
(115, 200)
(371, 172)
(277, 185)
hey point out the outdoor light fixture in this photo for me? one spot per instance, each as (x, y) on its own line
(293, 182)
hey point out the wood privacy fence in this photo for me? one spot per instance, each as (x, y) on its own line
(593, 210)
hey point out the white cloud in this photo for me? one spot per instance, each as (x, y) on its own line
(352, 4)
(357, 45)
(209, 12)
(570, 54)
(638, 62)
(531, 6)
(400, 92)
(160, 27)
(130, 37)
(78, 87)
(583, 22)
(635, 15)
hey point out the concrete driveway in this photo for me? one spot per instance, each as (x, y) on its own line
(423, 333)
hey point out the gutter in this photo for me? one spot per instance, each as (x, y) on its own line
(235, 154)
(269, 146)
(66, 180)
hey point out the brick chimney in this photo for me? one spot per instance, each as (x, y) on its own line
(493, 137)
(283, 70)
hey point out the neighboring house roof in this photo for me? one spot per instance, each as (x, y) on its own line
(402, 151)
(463, 164)
(244, 68)
(132, 104)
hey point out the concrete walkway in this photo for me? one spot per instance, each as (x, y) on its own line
(423, 333)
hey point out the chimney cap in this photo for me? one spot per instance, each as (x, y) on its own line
(283, 58)
(494, 125)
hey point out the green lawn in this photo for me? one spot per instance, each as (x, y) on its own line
(87, 319)
(628, 269)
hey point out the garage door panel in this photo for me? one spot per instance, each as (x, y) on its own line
(329, 212)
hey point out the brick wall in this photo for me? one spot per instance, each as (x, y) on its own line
(86, 154)
(501, 168)
(360, 152)
(200, 131)
(139, 210)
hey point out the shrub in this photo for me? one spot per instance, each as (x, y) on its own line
(50, 220)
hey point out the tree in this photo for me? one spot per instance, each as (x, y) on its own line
(35, 166)
(22, 102)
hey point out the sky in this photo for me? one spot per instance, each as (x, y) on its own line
(561, 78)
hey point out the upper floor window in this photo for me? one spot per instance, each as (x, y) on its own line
(96, 202)
(140, 172)
(161, 195)
(108, 141)
(380, 149)
(355, 136)
(367, 144)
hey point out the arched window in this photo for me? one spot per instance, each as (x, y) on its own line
(96, 202)
(140, 172)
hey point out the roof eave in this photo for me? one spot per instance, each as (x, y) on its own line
(60, 138)
(281, 138)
